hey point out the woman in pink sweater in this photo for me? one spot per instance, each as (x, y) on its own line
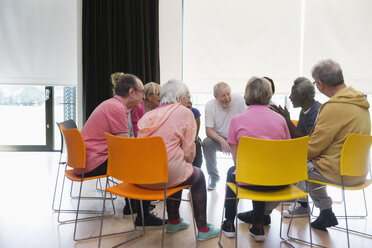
(257, 121)
(176, 125)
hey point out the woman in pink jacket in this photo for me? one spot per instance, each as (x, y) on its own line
(176, 125)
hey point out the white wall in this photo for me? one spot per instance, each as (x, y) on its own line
(232, 40)
(38, 42)
(170, 39)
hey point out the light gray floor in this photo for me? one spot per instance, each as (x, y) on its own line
(26, 218)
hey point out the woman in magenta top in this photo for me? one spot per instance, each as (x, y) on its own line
(257, 121)
(176, 125)
(151, 100)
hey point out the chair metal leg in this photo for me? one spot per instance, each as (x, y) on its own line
(349, 216)
(96, 217)
(98, 181)
(301, 240)
(164, 205)
(223, 213)
(281, 227)
(193, 219)
(347, 225)
(56, 184)
(346, 218)
(100, 236)
(78, 210)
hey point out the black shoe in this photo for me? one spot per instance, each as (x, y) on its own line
(152, 207)
(126, 210)
(326, 219)
(150, 221)
(257, 232)
(248, 217)
(228, 228)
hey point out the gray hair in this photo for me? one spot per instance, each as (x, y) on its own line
(304, 86)
(329, 72)
(126, 82)
(172, 91)
(218, 86)
(258, 91)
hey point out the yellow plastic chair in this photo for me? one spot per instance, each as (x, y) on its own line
(270, 163)
(354, 161)
(76, 158)
(139, 161)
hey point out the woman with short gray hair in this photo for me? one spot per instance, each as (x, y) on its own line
(176, 125)
(260, 122)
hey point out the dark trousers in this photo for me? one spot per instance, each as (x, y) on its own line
(199, 199)
(258, 206)
(198, 160)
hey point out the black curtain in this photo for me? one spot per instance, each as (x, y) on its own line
(118, 36)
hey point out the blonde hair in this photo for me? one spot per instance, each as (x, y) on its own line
(151, 88)
(115, 77)
(258, 91)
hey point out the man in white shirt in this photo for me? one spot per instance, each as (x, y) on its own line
(218, 114)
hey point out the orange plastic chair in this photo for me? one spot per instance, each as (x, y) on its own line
(354, 161)
(76, 158)
(62, 161)
(139, 161)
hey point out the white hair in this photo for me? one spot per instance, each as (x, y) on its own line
(172, 91)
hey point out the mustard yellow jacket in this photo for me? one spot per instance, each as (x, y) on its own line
(345, 113)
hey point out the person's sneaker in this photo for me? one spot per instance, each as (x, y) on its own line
(297, 210)
(174, 228)
(150, 221)
(212, 185)
(213, 232)
(257, 232)
(325, 219)
(228, 228)
(248, 217)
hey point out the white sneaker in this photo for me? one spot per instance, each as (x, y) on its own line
(297, 210)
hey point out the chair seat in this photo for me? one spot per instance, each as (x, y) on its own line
(133, 191)
(288, 193)
(363, 185)
(70, 174)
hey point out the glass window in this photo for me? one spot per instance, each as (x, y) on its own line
(22, 109)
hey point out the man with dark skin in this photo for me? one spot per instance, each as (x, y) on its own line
(302, 95)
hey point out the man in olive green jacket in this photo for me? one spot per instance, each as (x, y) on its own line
(344, 113)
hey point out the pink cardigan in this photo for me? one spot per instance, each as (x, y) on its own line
(176, 125)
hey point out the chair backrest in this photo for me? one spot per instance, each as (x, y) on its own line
(271, 162)
(355, 153)
(137, 160)
(76, 153)
(67, 125)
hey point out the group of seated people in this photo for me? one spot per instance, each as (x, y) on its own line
(165, 112)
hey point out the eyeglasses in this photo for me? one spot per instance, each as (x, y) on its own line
(141, 91)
